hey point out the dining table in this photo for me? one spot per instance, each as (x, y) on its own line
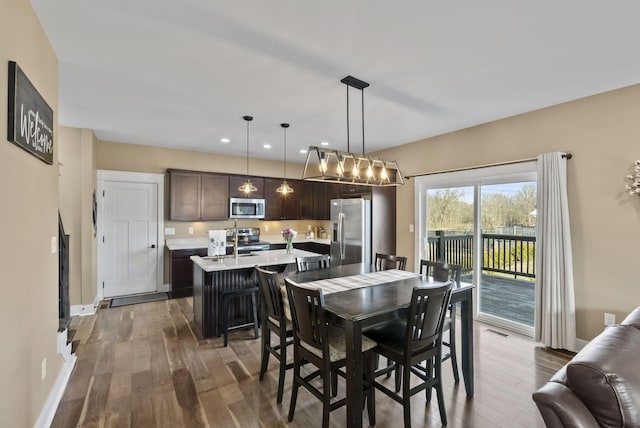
(358, 298)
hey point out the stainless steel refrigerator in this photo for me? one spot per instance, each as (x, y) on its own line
(351, 231)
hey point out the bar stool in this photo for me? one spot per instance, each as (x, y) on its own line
(223, 310)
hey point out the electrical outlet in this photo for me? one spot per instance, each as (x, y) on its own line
(44, 368)
(266, 227)
(411, 229)
(191, 231)
(609, 319)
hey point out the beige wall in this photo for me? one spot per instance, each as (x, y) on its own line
(603, 134)
(77, 184)
(29, 189)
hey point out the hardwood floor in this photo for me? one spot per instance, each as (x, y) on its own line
(143, 366)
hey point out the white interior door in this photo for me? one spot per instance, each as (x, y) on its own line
(130, 238)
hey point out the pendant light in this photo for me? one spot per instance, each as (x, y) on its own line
(350, 168)
(284, 187)
(247, 187)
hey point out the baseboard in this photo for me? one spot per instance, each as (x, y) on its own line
(84, 310)
(51, 405)
(165, 288)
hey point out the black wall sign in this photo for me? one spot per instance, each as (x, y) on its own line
(30, 121)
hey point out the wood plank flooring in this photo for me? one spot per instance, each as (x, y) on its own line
(144, 366)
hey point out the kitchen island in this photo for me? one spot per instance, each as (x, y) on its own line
(212, 276)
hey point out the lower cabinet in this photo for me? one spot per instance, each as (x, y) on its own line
(181, 271)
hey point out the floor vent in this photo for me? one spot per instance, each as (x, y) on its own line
(497, 332)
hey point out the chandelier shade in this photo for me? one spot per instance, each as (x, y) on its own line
(328, 165)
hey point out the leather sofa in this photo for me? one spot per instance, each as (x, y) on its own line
(600, 386)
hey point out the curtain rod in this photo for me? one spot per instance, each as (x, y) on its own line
(564, 155)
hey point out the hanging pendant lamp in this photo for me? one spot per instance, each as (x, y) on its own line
(284, 188)
(247, 187)
(350, 168)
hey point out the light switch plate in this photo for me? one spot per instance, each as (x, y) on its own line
(54, 244)
(170, 231)
(411, 229)
(191, 231)
(609, 319)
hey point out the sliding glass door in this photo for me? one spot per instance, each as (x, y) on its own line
(485, 221)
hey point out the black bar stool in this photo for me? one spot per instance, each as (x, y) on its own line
(226, 297)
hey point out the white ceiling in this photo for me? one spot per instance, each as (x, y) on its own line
(181, 74)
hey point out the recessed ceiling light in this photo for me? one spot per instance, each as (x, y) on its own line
(324, 143)
(267, 146)
(303, 151)
(225, 140)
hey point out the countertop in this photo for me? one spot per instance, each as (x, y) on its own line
(197, 243)
(259, 258)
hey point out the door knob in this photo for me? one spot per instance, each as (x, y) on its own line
(153, 246)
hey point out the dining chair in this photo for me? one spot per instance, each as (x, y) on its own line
(441, 271)
(389, 261)
(274, 320)
(413, 340)
(304, 264)
(324, 346)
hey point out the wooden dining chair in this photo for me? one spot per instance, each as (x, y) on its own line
(324, 346)
(441, 271)
(410, 342)
(304, 264)
(389, 261)
(274, 320)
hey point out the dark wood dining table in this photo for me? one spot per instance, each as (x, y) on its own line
(358, 309)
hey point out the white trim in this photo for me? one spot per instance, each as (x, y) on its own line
(51, 405)
(82, 310)
(132, 177)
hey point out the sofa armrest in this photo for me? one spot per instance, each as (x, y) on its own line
(561, 408)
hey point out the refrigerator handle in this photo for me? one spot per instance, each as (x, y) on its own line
(341, 234)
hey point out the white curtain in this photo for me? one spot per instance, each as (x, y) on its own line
(555, 301)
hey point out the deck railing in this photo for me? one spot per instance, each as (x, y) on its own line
(508, 254)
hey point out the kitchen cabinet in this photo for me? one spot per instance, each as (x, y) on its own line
(279, 206)
(314, 247)
(236, 181)
(181, 271)
(306, 199)
(196, 196)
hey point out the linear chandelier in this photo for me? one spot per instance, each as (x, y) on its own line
(337, 166)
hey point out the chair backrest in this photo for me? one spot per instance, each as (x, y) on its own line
(426, 316)
(389, 261)
(304, 264)
(307, 314)
(271, 295)
(441, 271)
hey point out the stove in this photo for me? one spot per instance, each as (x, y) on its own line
(248, 240)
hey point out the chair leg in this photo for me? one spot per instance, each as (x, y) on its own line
(398, 377)
(452, 348)
(334, 384)
(429, 365)
(266, 343)
(439, 393)
(225, 320)
(406, 395)
(371, 393)
(294, 388)
(283, 366)
(254, 306)
(327, 390)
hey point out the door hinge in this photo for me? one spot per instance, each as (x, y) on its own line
(103, 193)
(102, 284)
(103, 239)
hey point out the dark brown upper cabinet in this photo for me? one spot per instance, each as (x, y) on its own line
(196, 196)
(279, 206)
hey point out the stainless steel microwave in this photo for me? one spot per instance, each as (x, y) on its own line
(246, 208)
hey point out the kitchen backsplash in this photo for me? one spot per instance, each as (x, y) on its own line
(266, 227)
